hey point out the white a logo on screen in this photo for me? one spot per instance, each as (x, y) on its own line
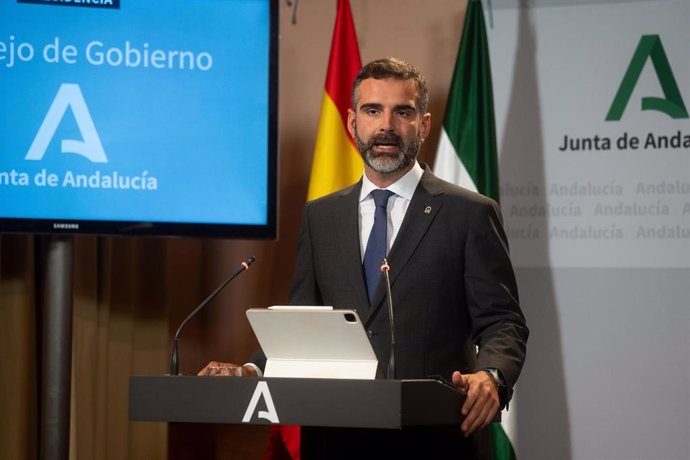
(270, 413)
(69, 96)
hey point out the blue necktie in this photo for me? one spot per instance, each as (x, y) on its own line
(376, 246)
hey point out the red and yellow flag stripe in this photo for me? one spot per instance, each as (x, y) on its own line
(337, 163)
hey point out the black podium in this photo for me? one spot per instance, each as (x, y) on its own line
(390, 404)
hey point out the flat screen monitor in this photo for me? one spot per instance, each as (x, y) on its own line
(139, 117)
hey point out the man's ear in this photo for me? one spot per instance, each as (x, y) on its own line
(426, 125)
(351, 122)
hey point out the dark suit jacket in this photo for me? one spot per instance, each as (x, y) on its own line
(452, 281)
(452, 287)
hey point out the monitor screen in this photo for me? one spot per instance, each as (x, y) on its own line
(138, 117)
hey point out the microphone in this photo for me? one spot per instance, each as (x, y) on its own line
(174, 361)
(385, 268)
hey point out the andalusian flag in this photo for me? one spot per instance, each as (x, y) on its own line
(467, 153)
(336, 161)
(467, 149)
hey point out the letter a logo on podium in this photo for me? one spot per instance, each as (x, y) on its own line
(270, 413)
(68, 96)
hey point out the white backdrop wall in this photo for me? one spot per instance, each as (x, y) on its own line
(599, 230)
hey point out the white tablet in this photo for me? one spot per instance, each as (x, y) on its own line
(313, 342)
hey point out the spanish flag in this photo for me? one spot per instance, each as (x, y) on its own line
(336, 161)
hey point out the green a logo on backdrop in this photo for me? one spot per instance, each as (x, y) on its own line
(650, 47)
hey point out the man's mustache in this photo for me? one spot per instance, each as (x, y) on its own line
(385, 138)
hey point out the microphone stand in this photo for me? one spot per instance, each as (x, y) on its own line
(385, 268)
(174, 361)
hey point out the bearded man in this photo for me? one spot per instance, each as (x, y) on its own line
(457, 314)
(455, 297)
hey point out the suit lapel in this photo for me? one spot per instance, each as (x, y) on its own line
(424, 206)
(347, 240)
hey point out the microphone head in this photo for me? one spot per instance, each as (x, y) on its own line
(248, 262)
(384, 266)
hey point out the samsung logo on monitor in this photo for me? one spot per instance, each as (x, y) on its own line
(65, 226)
(113, 4)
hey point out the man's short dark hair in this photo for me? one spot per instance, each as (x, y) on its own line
(397, 69)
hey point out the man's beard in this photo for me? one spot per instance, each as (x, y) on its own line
(388, 163)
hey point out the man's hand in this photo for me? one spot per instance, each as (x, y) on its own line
(481, 403)
(211, 369)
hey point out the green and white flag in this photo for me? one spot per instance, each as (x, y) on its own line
(467, 152)
(467, 149)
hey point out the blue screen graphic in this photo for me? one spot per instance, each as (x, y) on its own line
(150, 112)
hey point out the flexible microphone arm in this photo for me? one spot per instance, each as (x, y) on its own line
(174, 361)
(385, 268)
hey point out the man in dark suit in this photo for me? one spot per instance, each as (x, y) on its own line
(451, 278)
(455, 298)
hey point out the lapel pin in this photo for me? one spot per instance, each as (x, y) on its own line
(427, 210)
